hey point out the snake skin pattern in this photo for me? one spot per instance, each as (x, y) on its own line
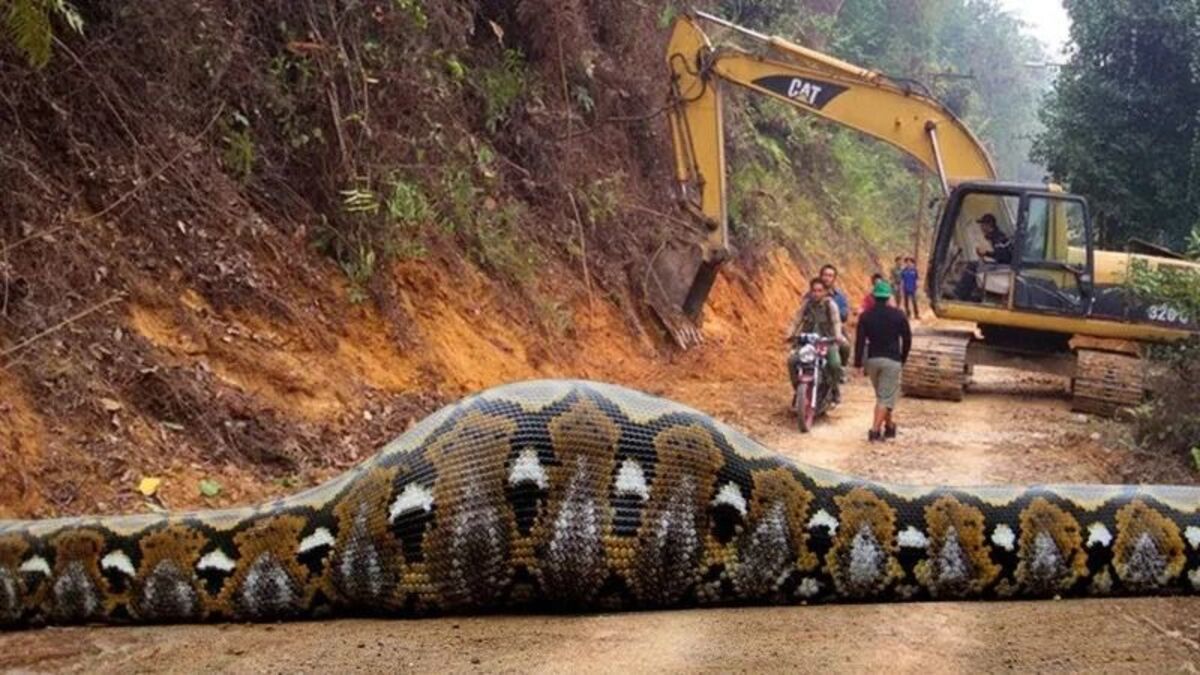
(560, 495)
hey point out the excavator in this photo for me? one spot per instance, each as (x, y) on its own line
(1055, 304)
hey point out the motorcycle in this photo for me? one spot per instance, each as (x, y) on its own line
(814, 393)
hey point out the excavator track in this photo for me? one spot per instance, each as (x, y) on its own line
(1106, 382)
(937, 366)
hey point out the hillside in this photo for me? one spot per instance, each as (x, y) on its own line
(255, 258)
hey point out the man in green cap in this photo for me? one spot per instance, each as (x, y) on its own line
(884, 340)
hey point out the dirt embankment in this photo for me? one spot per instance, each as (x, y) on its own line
(300, 397)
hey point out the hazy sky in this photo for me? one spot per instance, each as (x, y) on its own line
(1046, 18)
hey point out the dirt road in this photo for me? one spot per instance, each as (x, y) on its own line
(1005, 432)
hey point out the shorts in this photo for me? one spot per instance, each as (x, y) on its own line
(885, 377)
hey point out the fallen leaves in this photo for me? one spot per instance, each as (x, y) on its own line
(149, 486)
(210, 487)
(111, 405)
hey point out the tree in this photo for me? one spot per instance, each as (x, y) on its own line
(1121, 123)
(977, 42)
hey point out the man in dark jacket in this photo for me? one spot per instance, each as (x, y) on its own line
(999, 251)
(884, 340)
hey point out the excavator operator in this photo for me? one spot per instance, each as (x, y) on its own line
(999, 253)
(1001, 246)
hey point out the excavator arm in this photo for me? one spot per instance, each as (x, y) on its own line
(898, 113)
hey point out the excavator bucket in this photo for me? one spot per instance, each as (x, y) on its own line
(677, 284)
(683, 271)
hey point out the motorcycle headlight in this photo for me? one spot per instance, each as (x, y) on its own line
(808, 354)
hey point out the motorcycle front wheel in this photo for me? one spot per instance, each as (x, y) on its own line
(806, 412)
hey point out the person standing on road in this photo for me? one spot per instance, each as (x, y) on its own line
(897, 277)
(829, 275)
(883, 341)
(869, 300)
(909, 277)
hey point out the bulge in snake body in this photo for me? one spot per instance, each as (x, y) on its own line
(576, 496)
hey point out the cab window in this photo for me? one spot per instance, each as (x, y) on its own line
(1053, 244)
(1055, 231)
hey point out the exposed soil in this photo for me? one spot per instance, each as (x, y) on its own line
(1011, 429)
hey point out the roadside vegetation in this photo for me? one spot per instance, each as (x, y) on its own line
(1170, 422)
(1122, 130)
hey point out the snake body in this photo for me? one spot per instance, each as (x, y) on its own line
(575, 496)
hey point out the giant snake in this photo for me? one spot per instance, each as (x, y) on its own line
(575, 496)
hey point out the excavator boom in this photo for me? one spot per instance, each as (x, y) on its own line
(897, 113)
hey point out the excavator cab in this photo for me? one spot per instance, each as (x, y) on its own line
(1014, 247)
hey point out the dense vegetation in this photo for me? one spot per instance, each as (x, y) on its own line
(793, 177)
(1171, 420)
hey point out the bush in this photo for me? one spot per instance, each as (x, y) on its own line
(500, 87)
(1171, 421)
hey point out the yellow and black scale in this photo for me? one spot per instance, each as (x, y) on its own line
(568, 496)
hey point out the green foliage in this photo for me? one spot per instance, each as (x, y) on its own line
(1171, 421)
(209, 487)
(501, 86)
(667, 16)
(1122, 125)
(458, 192)
(30, 26)
(761, 14)
(602, 199)
(495, 242)
(796, 181)
(879, 198)
(406, 204)
(409, 210)
(415, 10)
(1177, 287)
(239, 153)
(1193, 243)
(377, 228)
(359, 267)
(293, 81)
(455, 68)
